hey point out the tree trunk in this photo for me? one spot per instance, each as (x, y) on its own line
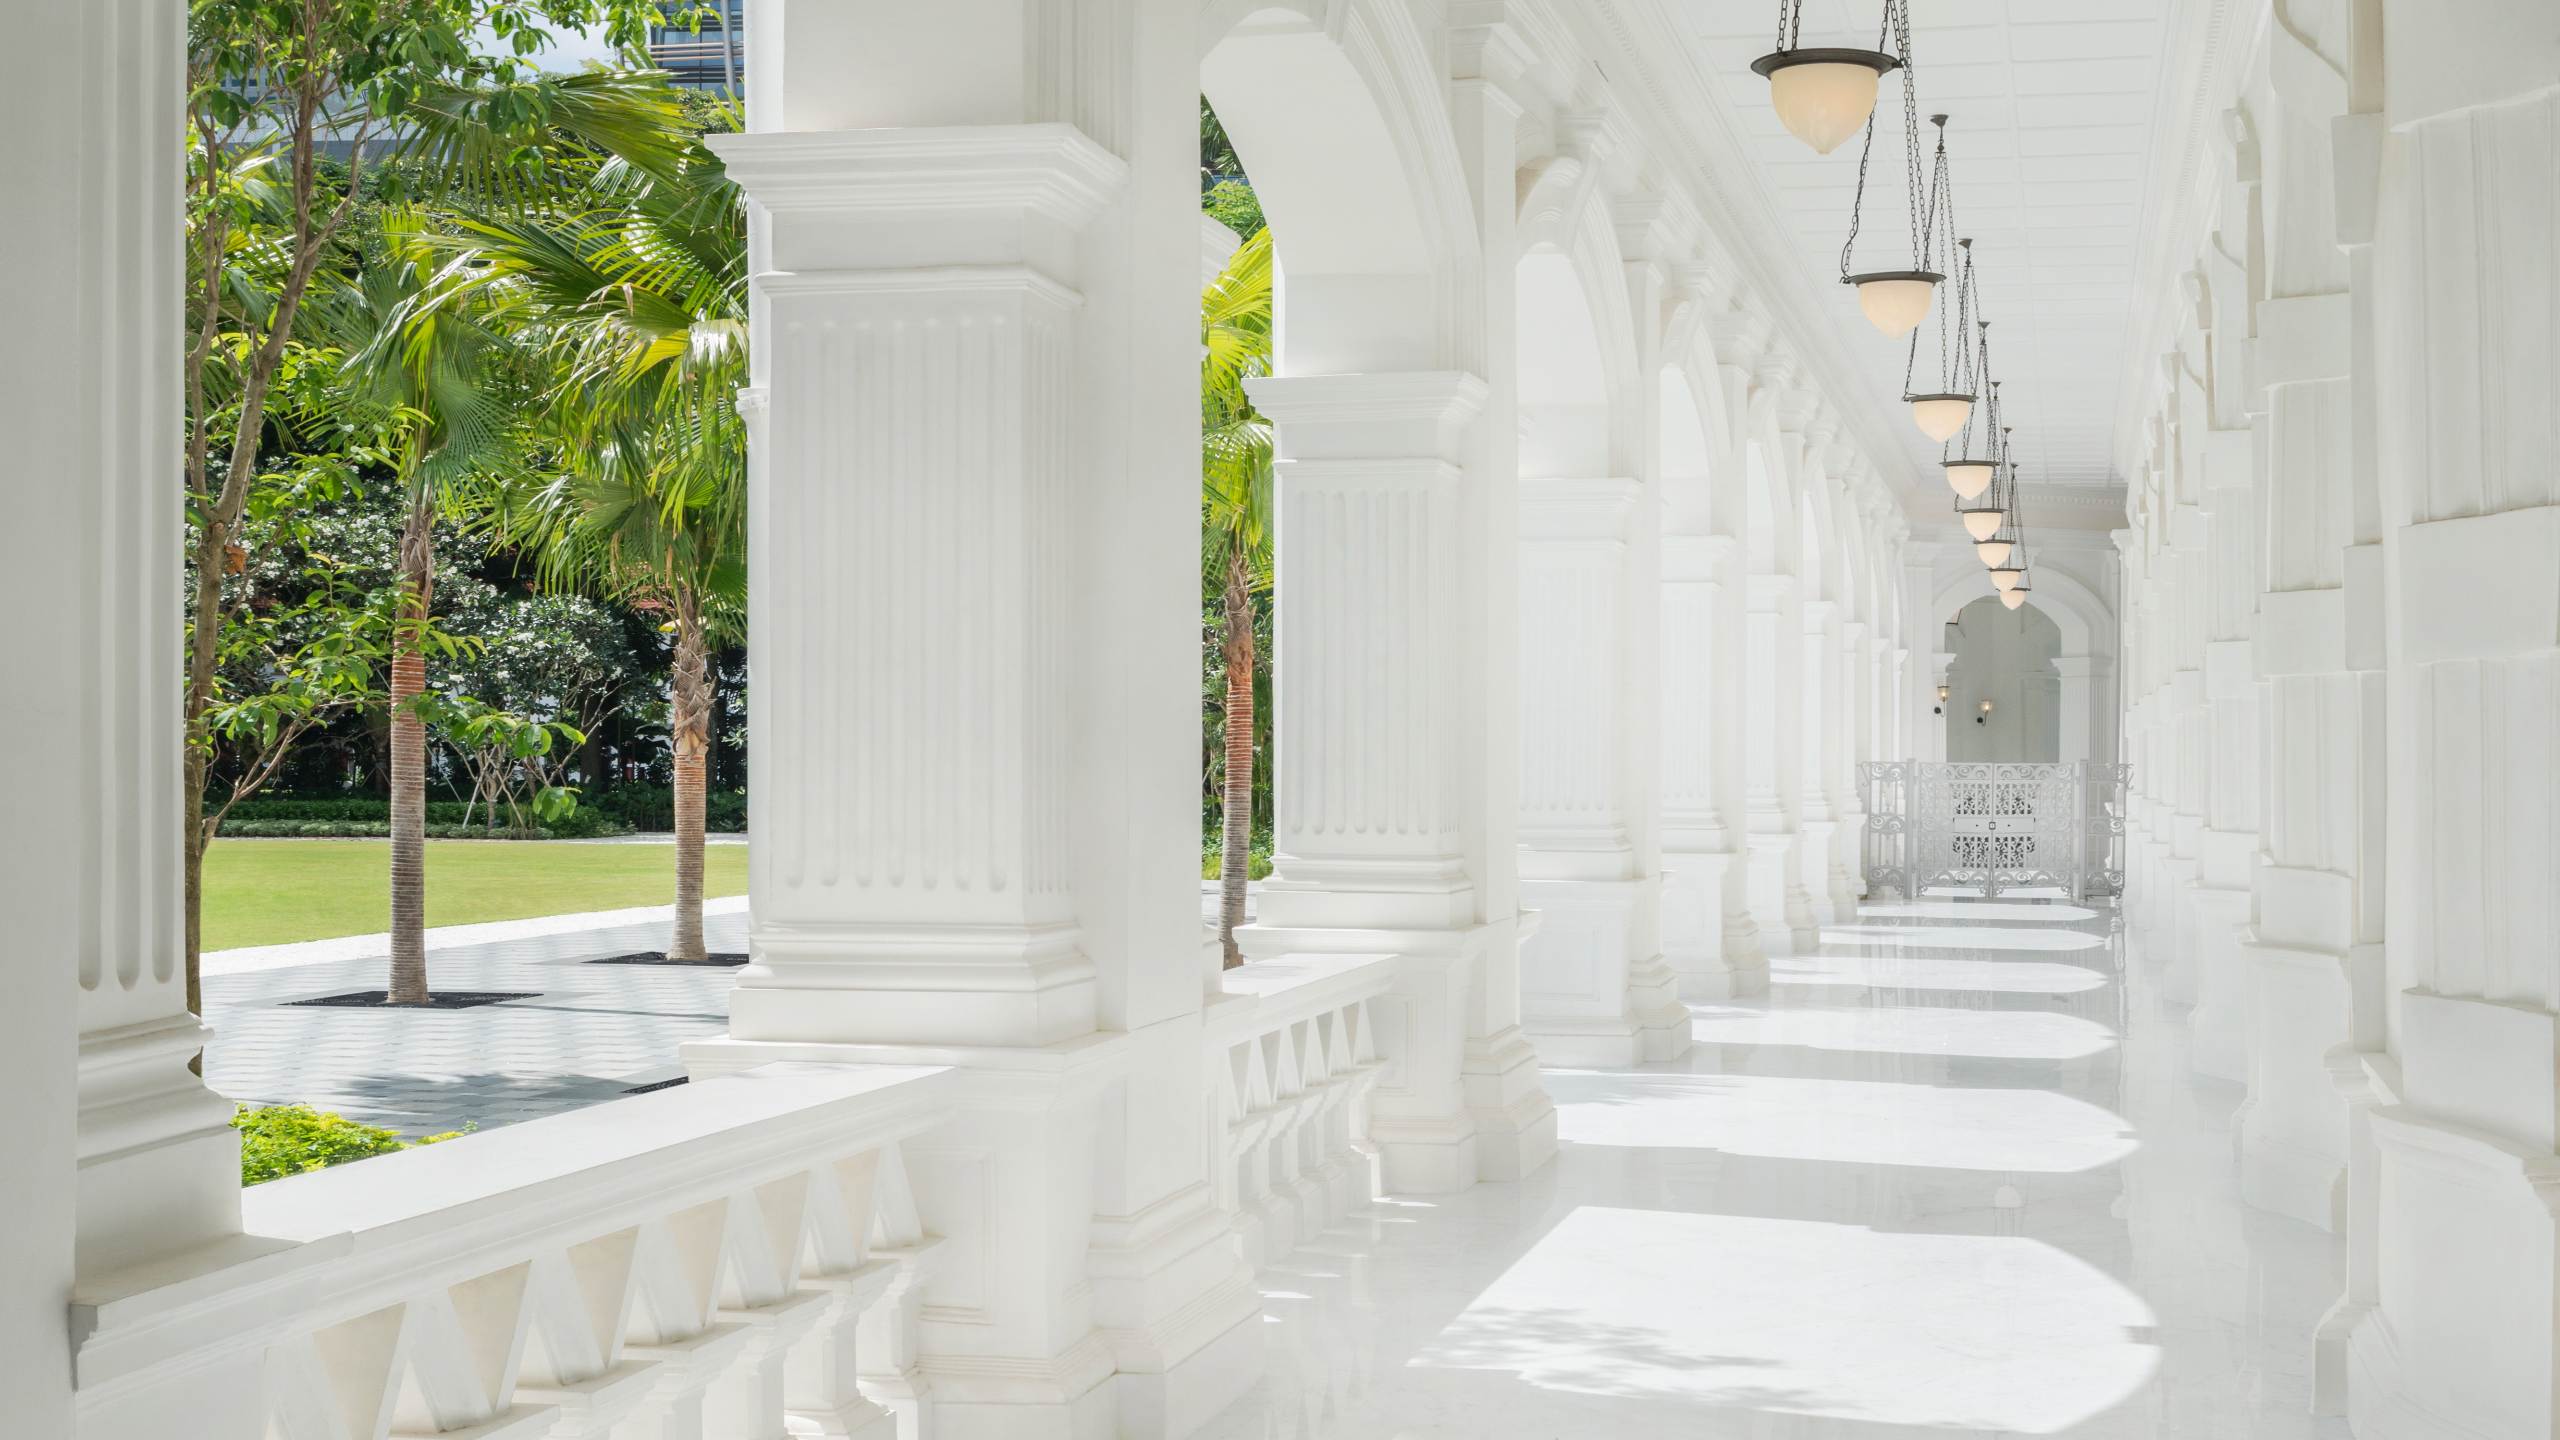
(409, 759)
(691, 720)
(1236, 823)
(729, 46)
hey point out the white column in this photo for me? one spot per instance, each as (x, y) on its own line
(1700, 857)
(1378, 839)
(2079, 711)
(1594, 987)
(974, 569)
(2223, 1020)
(2460, 1336)
(1780, 908)
(1740, 336)
(2314, 948)
(117, 1155)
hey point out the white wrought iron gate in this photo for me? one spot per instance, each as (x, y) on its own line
(1982, 828)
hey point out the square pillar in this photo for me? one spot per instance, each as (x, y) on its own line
(974, 580)
(1595, 989)
(1716, 956)
(1383, 840)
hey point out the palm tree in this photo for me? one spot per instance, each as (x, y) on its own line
(635, 288)
(1235, 533)
(456, 383)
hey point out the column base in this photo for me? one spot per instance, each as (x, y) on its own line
(2293, 1140)
(1779, 907)
(1712, 947)
(1591, 992)
(2219, 1027)
(2173, 957)
(1515, 1121)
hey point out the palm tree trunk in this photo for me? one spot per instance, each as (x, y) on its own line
(691, 720)
(1236, 823)
(409, 760)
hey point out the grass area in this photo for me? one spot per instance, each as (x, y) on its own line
(269, 892)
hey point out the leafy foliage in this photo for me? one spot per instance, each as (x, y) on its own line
(281, 1140)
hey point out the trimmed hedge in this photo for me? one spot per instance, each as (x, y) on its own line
(369, 817)
(653, 807)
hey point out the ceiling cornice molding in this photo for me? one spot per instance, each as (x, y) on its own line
(1692, 137)
(2207, 67)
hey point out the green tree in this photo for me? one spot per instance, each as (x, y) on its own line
(635, 288)
(273, 88)
(454, 391)
(1235, 533)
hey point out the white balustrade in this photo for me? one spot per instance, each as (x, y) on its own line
(690, 1264)
(1291, 1056)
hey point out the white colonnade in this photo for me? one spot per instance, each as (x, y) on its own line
(2341, 644)
(1590, 604)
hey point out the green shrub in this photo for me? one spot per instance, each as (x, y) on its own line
(280, 1140)
(1257, 863)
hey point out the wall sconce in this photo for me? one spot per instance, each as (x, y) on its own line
(1942, 701)
(1985, 716)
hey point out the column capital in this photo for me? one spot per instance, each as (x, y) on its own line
(1416, 413)
(966, 174)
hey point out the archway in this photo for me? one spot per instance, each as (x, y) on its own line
(2004, 659)
(2085, 666)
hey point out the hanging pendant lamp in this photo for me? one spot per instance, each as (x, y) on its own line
(1968, 475)
(2016, 594)
(1992, 552)
(1822, 95)
(1895, 301)
(1942, 412)
(2010, 575)
(1984, 516)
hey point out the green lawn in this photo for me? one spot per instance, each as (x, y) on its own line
(268, 892)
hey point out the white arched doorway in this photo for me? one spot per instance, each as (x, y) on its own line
(2083, 669)
(2004, 700)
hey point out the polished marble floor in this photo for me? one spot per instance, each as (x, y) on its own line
(1953, 1177)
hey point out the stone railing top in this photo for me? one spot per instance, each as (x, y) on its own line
(1285, 988)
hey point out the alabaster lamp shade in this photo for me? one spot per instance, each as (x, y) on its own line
(1823, 96)
(1940, 416)
(1993, 552)
(1896, 301)
(1969, 477)
(1983, 522)
(2014, 596)
(2005, 577)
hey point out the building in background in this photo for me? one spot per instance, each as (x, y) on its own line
(703, 46)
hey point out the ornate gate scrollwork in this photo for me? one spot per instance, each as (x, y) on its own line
(1985, 828)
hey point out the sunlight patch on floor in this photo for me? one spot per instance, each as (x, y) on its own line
(1808, 1318)
(1931, 972)
(1960, 937)
(1854, 1122)
(1975, 910)
(1908, 1030)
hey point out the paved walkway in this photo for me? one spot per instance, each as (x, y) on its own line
(589, 1032)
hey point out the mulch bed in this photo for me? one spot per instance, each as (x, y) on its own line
(659, 957)
(437, 1000)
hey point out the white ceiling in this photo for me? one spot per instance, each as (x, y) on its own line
(2051, 106)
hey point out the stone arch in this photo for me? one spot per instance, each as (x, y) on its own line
(1335, 109)
(1575, 346)
(1769, 500)
(2086, 624)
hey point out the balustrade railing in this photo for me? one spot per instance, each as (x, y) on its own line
(1291, 1058)
(1988, 827)
(703, 1260)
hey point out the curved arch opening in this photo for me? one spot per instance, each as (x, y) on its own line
(2006, 657)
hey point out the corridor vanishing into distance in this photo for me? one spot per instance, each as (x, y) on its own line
(1953, 1176)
